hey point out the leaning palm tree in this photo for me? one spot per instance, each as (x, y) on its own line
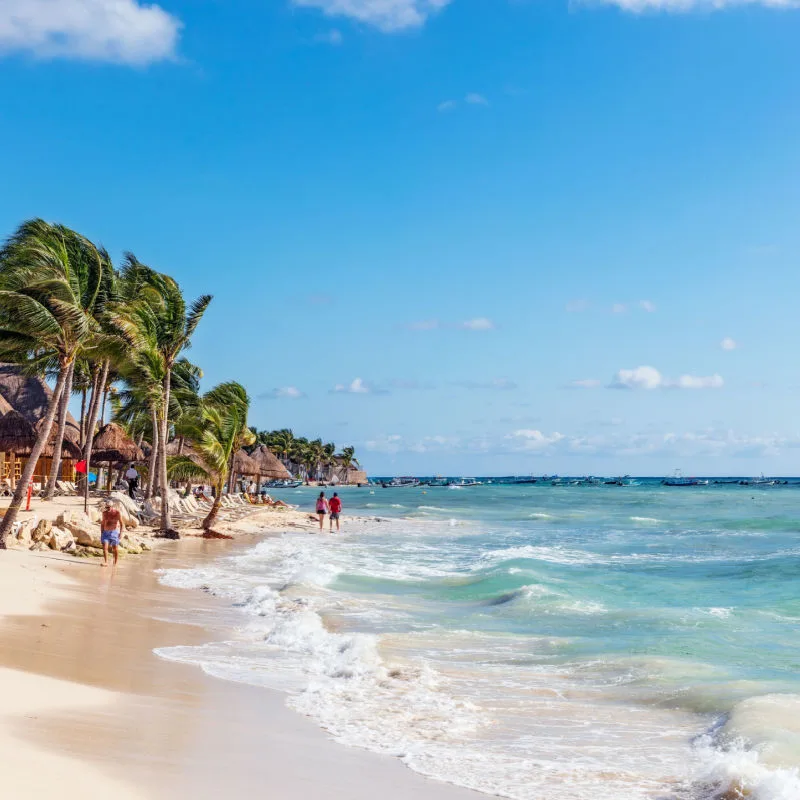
(177, 323)
(217, 432)
(50, 277)
(170, 324)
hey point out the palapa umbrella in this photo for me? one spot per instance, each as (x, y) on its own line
(18, 436)
(113, 446)
(268, 465)
(242, 465)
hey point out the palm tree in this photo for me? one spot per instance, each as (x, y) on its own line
(217, 431)
(177, 323)
(347, 460)
(281, 443)
(50, 279)
(162, 325)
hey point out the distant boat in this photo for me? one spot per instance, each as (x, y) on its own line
(405, 482)
(463, 483)
(590, 481)
(624, 480)
(762, 481)
(438, 481)
(677, 479)
(287, 484)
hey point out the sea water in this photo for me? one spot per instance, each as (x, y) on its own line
(567, 643)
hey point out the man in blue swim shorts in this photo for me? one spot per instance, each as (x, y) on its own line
(110, 527)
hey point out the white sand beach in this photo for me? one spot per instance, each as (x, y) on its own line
(88, 710)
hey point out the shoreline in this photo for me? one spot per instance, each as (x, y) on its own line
(78, 656)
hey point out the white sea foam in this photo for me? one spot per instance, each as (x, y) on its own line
(501, 714)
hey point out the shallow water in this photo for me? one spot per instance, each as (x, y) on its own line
(538, 641)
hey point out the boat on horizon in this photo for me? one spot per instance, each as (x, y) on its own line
(762, 481)
(677, 479)
(404, 482)
(463, 483)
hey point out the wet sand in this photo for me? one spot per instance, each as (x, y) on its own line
(88, 691)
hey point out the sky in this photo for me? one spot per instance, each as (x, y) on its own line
(468, 237)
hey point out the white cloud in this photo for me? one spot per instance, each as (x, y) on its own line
(698, 382)
(333, 37)
(478, 324)
(356, 386)
(647, 306)
(728, 344)
(285, 393)
(650, 378)
(475, 99)
(619, 308)
(386, 15)
(119, 31)
(585, 383)
(639, 378)
(447, 105)
(529, 439)
(639, 6)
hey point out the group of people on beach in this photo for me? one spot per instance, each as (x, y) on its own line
(331, 508)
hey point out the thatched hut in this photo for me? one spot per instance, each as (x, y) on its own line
(243, 466)
(17, 439)
(113, 447)
(30, 397)
(269, 467)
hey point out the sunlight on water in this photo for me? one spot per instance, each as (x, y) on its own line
(531, 642)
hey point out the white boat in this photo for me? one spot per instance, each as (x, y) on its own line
(464, 483)
(405, 482)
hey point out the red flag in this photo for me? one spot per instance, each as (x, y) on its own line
(80, 466)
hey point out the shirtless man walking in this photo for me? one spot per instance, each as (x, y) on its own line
(110, 527)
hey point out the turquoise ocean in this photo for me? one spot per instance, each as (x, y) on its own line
(562, 643)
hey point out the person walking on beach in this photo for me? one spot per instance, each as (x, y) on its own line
(110, 528)
(322, 508)
(335, 506)
(132, 477)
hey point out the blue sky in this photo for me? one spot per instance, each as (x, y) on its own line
(467, 237)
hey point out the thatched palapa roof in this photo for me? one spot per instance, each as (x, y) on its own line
(5, 406)
(180, 447)
(30, 396)
(17, 435)
(268, 464)
(69, 447)
(112, 444)
(244, 465)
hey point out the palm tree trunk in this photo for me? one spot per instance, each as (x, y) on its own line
(209, 521)
(166, 519)
(105, 400)
(41, 440)
(83, 418)
(151, 473)
(55, 465)
(94, 404)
